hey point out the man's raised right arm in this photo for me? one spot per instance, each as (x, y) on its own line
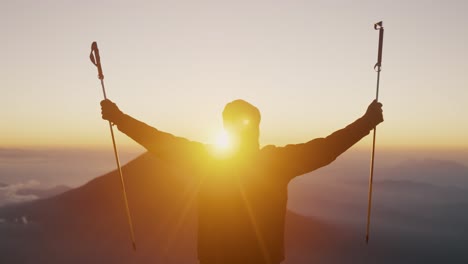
(162, 144)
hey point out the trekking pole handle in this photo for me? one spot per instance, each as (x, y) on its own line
(96, 59)
(379, 26)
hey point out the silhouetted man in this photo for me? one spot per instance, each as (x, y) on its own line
(242, 195)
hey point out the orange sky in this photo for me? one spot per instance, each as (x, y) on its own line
(307, 65)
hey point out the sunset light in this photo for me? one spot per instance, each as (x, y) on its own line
(234, 132)
(222, 141)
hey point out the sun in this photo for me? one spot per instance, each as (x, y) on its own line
(222, 140)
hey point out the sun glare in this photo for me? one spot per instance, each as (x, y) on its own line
(222, 140)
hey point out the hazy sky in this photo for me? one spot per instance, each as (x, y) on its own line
(307, 65)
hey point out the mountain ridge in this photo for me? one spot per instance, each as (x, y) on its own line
(88, 224)
(73, 226)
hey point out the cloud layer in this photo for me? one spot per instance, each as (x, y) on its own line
(10, 193)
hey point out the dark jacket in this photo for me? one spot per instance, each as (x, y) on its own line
(242, 201)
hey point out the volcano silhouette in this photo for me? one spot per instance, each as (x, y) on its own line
(89, 225)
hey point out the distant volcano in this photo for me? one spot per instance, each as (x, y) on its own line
(44, 193)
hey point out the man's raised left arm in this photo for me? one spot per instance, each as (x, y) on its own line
(298, 159)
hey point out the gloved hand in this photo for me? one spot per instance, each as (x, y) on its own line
(110, 111)
(374, 114)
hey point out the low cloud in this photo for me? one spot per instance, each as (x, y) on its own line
(10, 193)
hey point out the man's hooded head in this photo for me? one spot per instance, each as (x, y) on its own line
(241, 120)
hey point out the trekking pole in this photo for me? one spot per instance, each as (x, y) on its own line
(96, 60)
(377, 26)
